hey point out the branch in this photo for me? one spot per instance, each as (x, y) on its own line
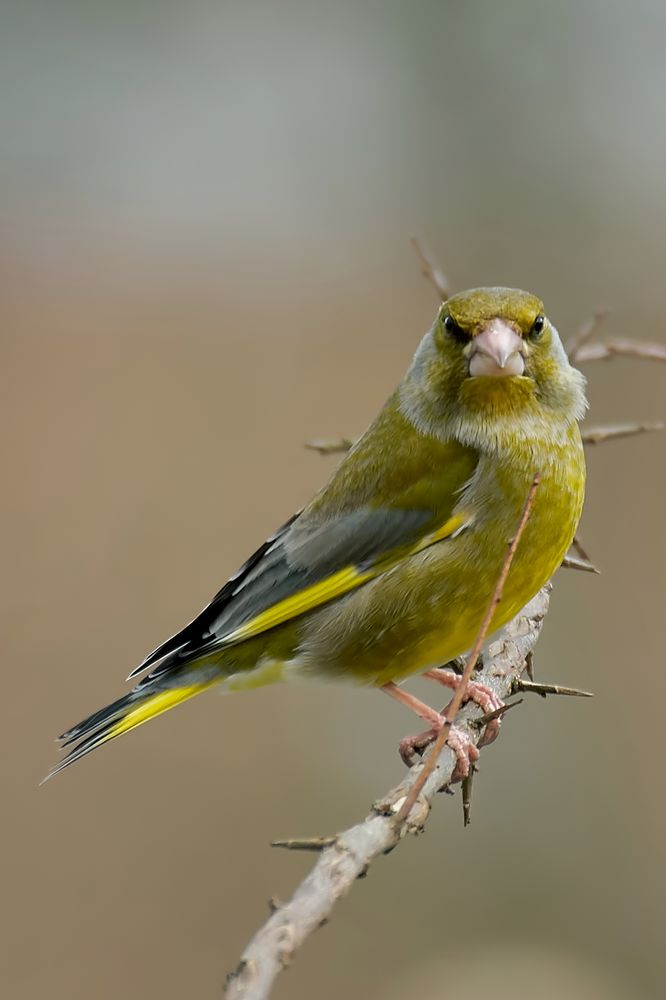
(337, 446)
(431, 271)
(619, 347)
(348, 855)
(591, 435)
(580, 350)
(584, 333)
(597, 435)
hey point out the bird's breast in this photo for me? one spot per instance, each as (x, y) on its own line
(428, 609)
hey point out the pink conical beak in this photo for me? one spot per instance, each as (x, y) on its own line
(497, 350)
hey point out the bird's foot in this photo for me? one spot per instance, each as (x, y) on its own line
(466, 752)
(411, 747)
(480, 694)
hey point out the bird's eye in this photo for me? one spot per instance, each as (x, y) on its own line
(538, 327)
(456, 332)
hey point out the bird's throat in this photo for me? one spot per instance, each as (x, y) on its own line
(498, 397)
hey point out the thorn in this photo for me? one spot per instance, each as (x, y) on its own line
(275, 904)
(305, 844)
(498, 713)
(573, 562)
(581, 549)
(545, 689)
(467, 796)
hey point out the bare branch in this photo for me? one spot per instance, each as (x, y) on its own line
(338, 446)
(620, 347)
(431, 271)
(584, 332)
(597, 435)
(351, 853)
(592, 435)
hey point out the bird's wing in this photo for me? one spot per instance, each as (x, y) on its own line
(324, 552)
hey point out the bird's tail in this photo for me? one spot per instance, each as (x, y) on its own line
(121, 716)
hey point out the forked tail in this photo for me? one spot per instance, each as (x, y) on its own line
(120, 717)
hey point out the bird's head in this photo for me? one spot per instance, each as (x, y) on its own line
(493, 355)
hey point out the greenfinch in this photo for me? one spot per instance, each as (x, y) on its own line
(388, 571)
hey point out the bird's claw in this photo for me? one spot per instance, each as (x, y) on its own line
(480, 694)
(464, 748)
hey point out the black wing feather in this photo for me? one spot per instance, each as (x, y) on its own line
(193, 631)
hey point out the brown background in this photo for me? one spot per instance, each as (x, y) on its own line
(204, 241)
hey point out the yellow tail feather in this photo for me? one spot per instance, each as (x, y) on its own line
(122, 716)
(154, 706)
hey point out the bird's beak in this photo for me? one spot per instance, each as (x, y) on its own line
(497, 350)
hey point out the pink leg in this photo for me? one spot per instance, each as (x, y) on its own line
(462, 746)
(480, 694)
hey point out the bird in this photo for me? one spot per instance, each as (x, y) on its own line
(388, 570)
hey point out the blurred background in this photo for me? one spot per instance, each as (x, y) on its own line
(205, 221)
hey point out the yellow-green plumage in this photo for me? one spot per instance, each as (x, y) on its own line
(389, 569)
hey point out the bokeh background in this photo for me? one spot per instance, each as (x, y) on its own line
(205, 216)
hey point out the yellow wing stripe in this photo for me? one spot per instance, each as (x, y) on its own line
(311, 597)
(335, 585)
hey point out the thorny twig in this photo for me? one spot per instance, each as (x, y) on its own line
(352, 851)
(347, 856)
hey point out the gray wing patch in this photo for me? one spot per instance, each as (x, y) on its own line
(300, 554)
(308, 553)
